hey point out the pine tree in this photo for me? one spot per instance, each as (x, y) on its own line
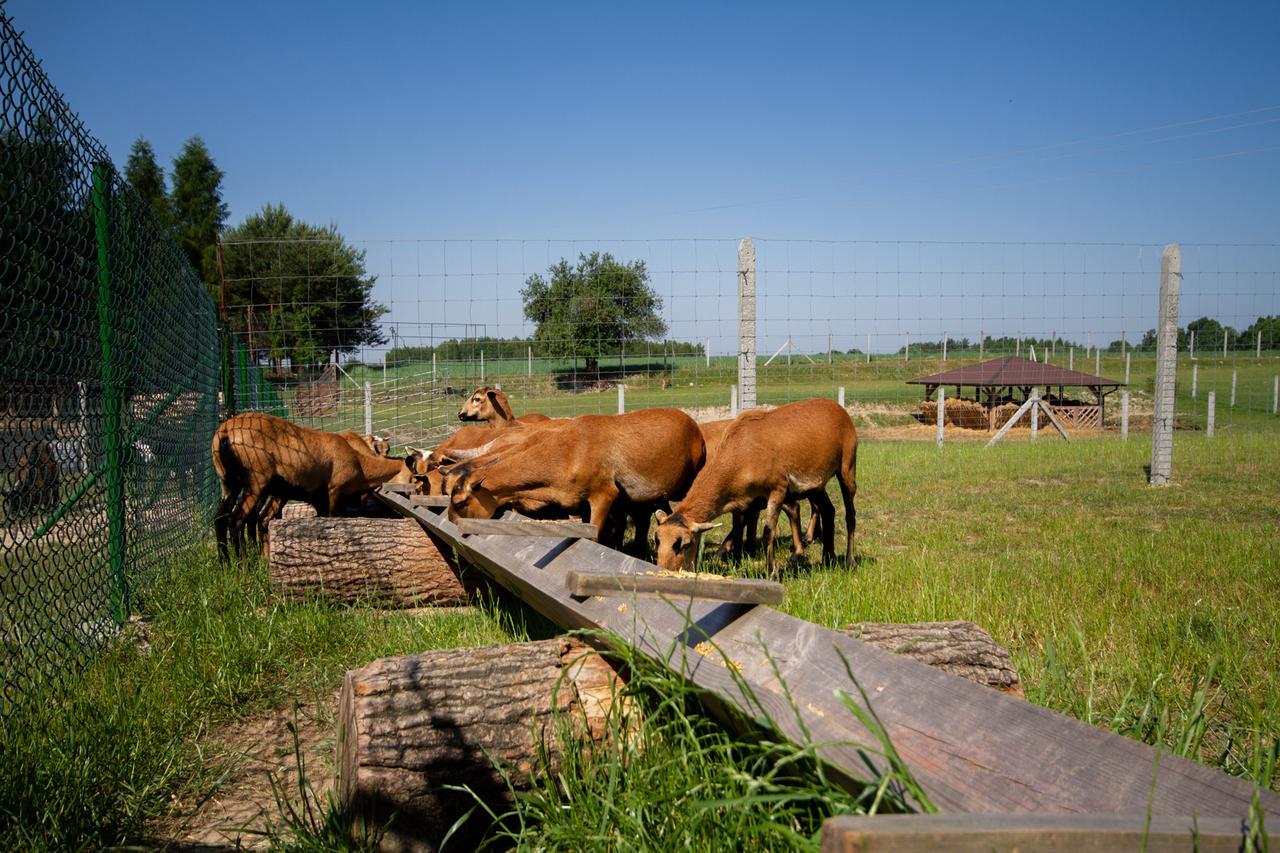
(198, 210)
(146, 177)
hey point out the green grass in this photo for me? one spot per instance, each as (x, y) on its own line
(89, 767)
(1119, 602)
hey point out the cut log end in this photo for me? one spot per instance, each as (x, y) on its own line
(960, 648)
(391, 562)
(409, 726)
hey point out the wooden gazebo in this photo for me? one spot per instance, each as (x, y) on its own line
(996, 381)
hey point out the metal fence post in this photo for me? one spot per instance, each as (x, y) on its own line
(1124, 415)
(1209, 428)
(942, 411)
(746, 388)
(1166, 365)
(368, 409)
(112, 404)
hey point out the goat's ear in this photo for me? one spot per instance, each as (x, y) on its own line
(496, 397)
(704, 526)
(662, 516)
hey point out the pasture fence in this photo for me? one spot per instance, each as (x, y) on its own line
(561, 325)
(108, 387)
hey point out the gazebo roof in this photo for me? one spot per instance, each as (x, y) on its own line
(1013, 371)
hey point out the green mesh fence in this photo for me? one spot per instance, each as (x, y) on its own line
(109, 381)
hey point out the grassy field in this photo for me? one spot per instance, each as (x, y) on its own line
(409, 404)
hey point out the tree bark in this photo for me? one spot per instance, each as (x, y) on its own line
(409, 725)
(960, 648)
(391, 562)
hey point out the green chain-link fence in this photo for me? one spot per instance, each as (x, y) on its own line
(109, 382)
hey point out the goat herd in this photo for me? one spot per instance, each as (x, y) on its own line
(607, 469)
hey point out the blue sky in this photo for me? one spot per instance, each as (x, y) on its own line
(809, 121)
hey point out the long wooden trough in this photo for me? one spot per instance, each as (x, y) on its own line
(971, 748)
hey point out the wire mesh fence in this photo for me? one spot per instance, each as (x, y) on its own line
(846, 319)
(108, 386)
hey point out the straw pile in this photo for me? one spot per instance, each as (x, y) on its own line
(968, 414)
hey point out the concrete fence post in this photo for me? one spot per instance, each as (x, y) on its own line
(944, 346)
(840, 396)
(529, 361)
(982, 344)
(622, 399)
(368, 409)
(828, 347)
(868, 349)
(1097, 362)
(1035, 413)
(1124, 415)
(1258, 349)
(942, 411)
(745, 390)
(906, 350)
(1126, 368)
(1195, 377)
(1191, 345)
(1209, 427)
(1071, 358)
(733, 401)
(1166, 365)
(481, 367)
(433, 367)
(707, 352)
(1225, 336)
(1233, 389)
(1017, 347)
(1275, 395)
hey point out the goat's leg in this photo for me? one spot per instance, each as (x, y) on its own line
(814, 530)
(640, 517)
(792, 509)
(731, 547)
(750, 520)
(848, 490)
(600, 504)
(822, 507)
(222, 523)
(771, 529)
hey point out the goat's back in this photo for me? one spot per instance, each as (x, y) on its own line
(800, 441)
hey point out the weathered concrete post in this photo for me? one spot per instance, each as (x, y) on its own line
(1126, 368)
(944, 346)
(907, 349)
(1071, 358)
(1209, 426)
(481, 367)
(942, 411)
(840, 397)
(1124, 415)
(733, 401)
(1275, 395)
(529, 362)
(1191, 344)
(368, 409)
(1233, 388)
(1258, 350)
(622, 399)
(868, 349)
(1035, 413)
(746, 324)
(1166, 365)
(1195, 377)
(1097, 362)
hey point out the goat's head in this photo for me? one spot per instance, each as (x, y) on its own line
(468, 498)
(678, 540)
(486, 404)
(379, 445)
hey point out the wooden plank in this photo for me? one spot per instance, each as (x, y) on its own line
(654, 585)
(1098, 833)
(972, 749)
(429, 500)
(526, 527)
(401, 488)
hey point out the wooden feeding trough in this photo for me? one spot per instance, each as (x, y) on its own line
(1003, 388)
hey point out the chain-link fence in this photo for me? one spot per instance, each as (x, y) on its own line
(108, 386)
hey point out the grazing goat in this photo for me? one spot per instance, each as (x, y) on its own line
(264, 461)
(590, 462)
(35, 480)
(491, 404)
(784, 454)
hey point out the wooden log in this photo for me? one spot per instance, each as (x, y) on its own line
(1004, 833)
(391, 562)
(656, 585)
(298, 509)
(526, 527)
(407, 726)
(960, 648)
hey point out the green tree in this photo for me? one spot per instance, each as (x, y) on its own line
(303, 287)
(1209, 334)
(147, 179)
(593, 308)
(1269, 326)
(198, 210)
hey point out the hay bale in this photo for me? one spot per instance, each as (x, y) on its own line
(966, 414)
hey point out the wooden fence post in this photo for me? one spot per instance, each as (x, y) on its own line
(745, 390)
(1166, 365)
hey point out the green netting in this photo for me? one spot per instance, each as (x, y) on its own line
(108, 392)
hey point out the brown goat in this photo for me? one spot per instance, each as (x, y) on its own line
(784, 454)
(35, 480)
(491, 404)
(375, 444)
(644, 457)
(263, 461)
